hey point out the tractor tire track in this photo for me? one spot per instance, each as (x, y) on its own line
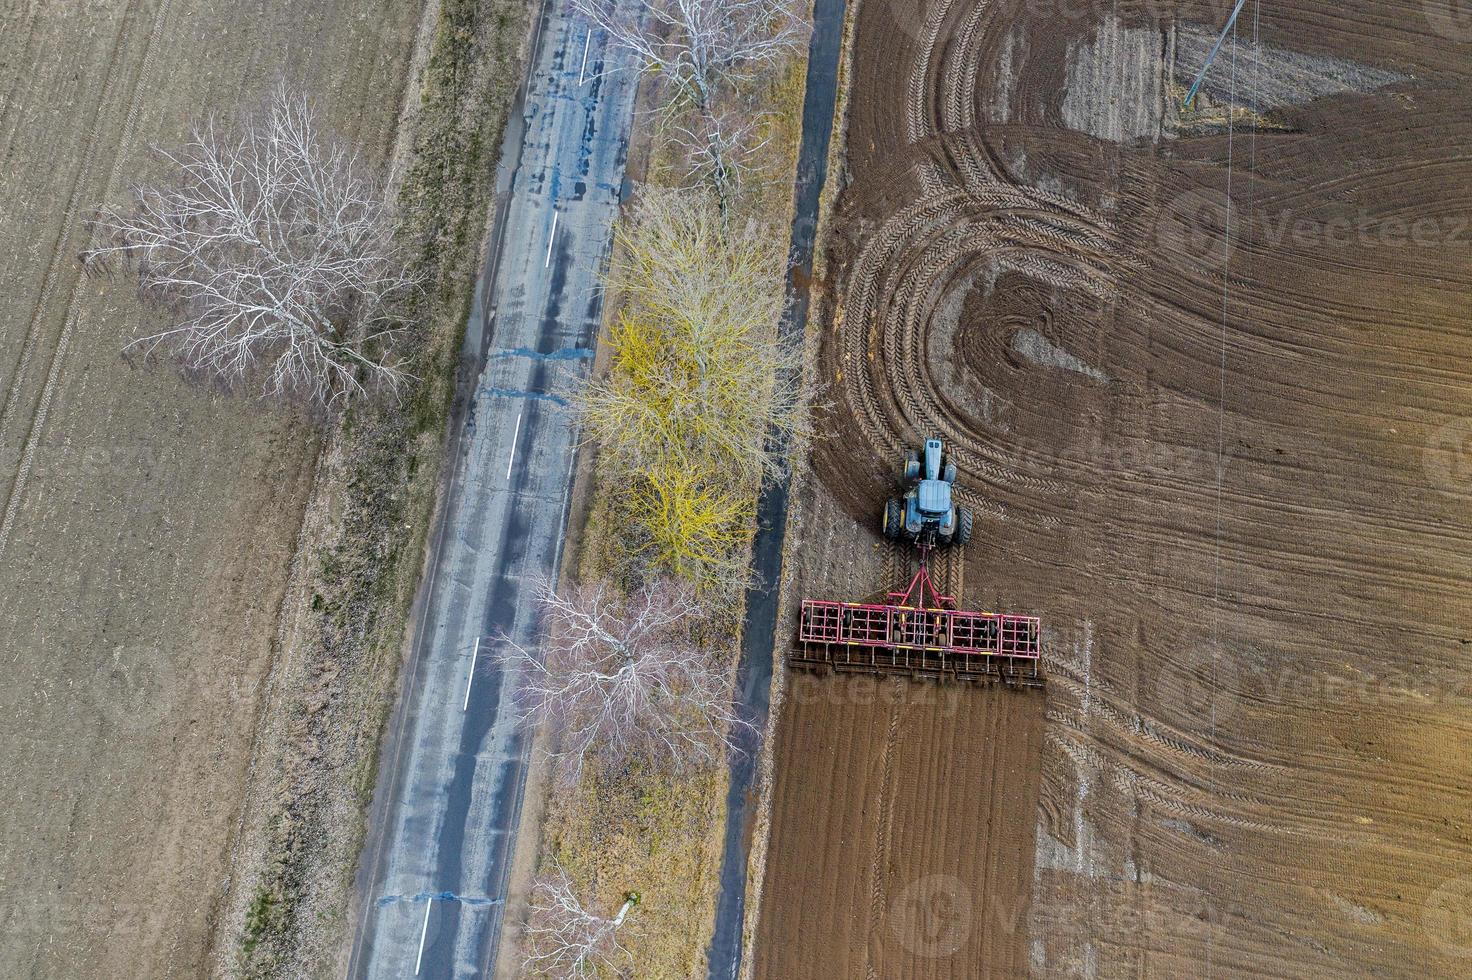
(914, 259)
(878, 868)
(59, 254)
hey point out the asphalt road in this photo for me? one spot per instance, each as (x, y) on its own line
(448, 802)
(754, 669)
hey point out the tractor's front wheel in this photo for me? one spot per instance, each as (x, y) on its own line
(894, 519)
(912, 466)
(963, 525)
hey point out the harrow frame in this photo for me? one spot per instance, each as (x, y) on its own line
(921, 633)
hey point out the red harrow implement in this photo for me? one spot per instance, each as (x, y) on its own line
(919, 633)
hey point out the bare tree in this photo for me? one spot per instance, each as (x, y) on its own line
(272, 245)
(625, 676)
(565, 939)
(703, 47)
(699, 45)
(719, 147)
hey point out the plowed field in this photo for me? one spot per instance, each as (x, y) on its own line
(1207, 374)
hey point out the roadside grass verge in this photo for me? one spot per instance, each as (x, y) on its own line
(654, 832)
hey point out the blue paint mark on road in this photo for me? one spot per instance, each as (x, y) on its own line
(534, 395)
(438, 897)
(564, 354)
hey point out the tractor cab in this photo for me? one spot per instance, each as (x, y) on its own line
(926, 512)
(932, 497)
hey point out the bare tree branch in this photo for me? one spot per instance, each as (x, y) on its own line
(273, 246)
(699, 45)
(719, 147)
(564, 939)
(624, 676)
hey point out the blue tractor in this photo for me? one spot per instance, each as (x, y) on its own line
(926, 513)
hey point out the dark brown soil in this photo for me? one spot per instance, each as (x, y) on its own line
(1209, 391)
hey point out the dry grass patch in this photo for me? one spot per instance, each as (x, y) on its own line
(646, 830)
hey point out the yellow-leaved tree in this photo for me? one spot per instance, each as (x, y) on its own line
(699, 377)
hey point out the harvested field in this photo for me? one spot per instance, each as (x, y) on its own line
(1207, 377)
(147, 525)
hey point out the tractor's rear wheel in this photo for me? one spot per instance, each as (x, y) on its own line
(963, 525)
(894, 519)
